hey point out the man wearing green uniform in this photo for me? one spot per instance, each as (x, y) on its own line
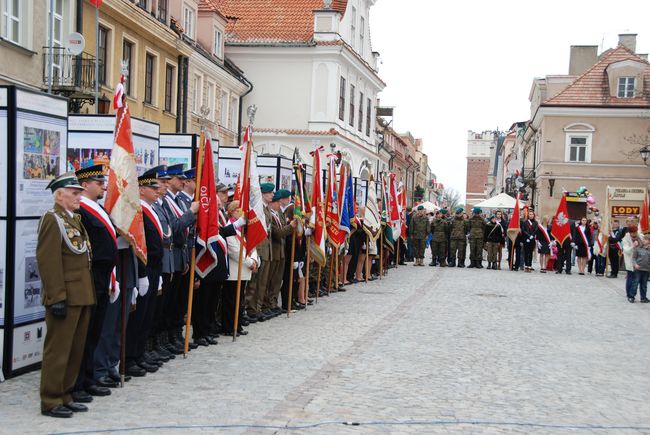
(458, 245)
(439, 230)
(476, 239)
(419, 230)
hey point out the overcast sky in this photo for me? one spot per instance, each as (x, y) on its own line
(453, 66)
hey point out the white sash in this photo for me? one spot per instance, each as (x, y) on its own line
(153, 214)
(584, 240)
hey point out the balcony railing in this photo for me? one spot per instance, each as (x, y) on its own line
(70, 73)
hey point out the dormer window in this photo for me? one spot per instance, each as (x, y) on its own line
(218, 37)
(353, 26)
(188, 21)
(362, 30)
(626, 87)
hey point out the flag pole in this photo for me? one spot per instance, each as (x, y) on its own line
(318, 283)
(336, 270)
(381, 251)
(307, 274)
(329, 280)
(190, 290)
(397, 251)
(293, 257)
(367, 256)
(123, 322)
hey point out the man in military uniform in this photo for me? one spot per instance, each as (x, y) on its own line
(63, 256)
(439, 230)
(459, 230)
(256, 291)
(281, 227)
(103, 239)
(476, 238)
(419, 230)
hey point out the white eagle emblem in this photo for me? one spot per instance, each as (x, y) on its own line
(561, 219)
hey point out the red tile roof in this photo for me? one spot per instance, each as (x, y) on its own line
(591, 89)
(331, 131)
(271, 21)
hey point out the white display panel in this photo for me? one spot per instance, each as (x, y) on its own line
(229, 170)
(28, 343)
(3, 161)
(3, 272)
(175, 156)
(88, 149)
(41, 142)
(27, 280)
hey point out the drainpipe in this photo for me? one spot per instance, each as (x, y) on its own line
(79, 27)
(241, 107)
(179, 106)
(186, 62)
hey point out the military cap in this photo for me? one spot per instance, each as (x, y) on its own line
(267, 187)
(149, 178)
(493, 216)
(190, 173)
(176, 171)
(477, 210)
(223, 188)
(69, 179)
(283, 193)
(459, 210)
(95, 172)
(443, 211)
(420, 207)
(161, 172)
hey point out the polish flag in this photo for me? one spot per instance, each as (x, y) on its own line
(561, 227)
(644, 225)
(251, 196)
(514, 227)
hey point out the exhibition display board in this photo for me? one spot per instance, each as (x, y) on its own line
(33, 143)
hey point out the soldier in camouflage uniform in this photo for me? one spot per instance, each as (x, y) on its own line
(476, 238)
(458, 246)
(439, 230)
(419, 230)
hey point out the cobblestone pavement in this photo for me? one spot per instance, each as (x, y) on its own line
(444, 350)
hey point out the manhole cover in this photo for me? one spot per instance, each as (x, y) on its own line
(490, 295)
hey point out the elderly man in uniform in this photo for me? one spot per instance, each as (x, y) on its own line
(63, 255)
(103, 239)
(418, 232)
(281, 228)
(256, 291)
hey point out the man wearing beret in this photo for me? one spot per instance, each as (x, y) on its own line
(476, 238)
(63, 256)
(458, 238)
(439, 230)
(419, 230)
(256, 291)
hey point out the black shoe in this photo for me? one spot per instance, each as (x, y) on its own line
(116, 378)
(94, 390)
(58, 411)
(211, 340)
(252, 318)
(76, 407)
(150, 368)
(581, 273)
(242, 332)
(261, 317)
(612, 276)
(568, 273)
(107, 381)
(645, 300)
(201, 342)
(83, 396)
(136, 371)
(244, 322)
(558, 272)
(342, 289)
(630, 300)
(461, 264)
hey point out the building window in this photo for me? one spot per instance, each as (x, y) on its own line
(352, 105)
(368, 109)
(578, 148)
(143, 4)
(360, 127)
(224, 109)
(626, 87)
(217, 43)
(162, 11)
(150, 64)
(211, 99)
(342, 100)
(102, 55)
(188, 22)
(353, 26)
(57, 58)
(169, 87)
(127, 57)
(11, 21)
(362, 30)
(196, 93)
(233, 113)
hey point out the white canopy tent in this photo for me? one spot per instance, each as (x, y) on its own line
(501, 201)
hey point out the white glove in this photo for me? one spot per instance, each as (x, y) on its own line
(134, 296)
(308, 231)
(300, 266)
(573, 245)
(530, 238)
(143, 286)
(116, 293)
(160, 282)
(296, 265)
(239, 223)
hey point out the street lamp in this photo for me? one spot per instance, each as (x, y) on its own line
(645, 153)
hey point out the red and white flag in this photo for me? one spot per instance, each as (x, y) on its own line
(401, 195)
(394, 209)
(317, 219)
(514, 226)
(123, 194)
(644, 224)
(208, 240)
(251, 196)
(332, 208)
(561, 227)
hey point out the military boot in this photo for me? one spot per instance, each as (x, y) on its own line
(452, 262)
(471, 264)
(443, 263)
(479, 264)
(461, 263)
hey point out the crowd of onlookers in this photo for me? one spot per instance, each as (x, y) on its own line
(588, 246)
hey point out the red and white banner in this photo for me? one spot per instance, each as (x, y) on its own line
(561, 228)
(317, 219)
(251, 196)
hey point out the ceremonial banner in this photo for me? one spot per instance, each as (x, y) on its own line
(251, 196)
(332, 212)
(514, 227)
(394, 210)
(644, 225)
(371, 223)
(123, 194)
(317, 220)
(385, 219)
(347, 201)
(561, 228)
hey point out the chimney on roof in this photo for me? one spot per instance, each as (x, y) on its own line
(643, 56)
(582, 58)
(628, 40)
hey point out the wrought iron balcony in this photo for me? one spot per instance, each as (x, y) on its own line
(71, 74)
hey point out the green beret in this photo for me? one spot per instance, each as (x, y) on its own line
(283, 193)
(459, 210)
(444, 211)
(267, 187)
(477, 210)
(420, 207)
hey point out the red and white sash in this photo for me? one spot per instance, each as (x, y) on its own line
(584, 240)
(146, 209)
(100, 214)
(543, 230)
(599, 245)
(176, 210)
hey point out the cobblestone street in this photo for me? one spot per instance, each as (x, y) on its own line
(444, 350)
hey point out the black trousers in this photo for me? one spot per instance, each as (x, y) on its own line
(564, 257)
(228, 305)
(181, 284)
(140, 321)
(214, 298)
(529, 248)
(614, 261)
(101, 280)
(160, 319)
(202, 312)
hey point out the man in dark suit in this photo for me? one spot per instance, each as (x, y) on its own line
(63, 255)
(614, 248)
(103, 240)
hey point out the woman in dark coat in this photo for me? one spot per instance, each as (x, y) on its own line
(544, 243)
(529, 229)
(581, 238)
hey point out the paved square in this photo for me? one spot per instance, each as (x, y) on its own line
(444, 350)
